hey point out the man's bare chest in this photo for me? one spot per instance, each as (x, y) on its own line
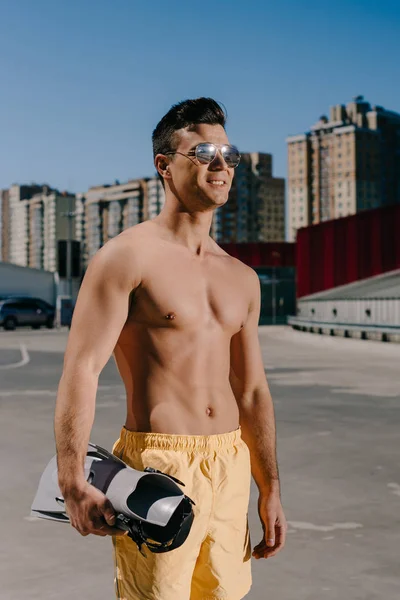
(190, 295)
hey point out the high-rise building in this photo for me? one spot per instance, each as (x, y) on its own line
(105, 211)
(4, 225)
(17, 222)
(155, 198)
(346, 163)
(255, 210)
(33, 220)
(48, 225)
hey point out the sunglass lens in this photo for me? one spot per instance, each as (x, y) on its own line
(205, 153)
(231, 156)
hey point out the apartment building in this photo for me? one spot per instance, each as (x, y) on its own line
(155, 198)
(33, 220)
(15, 221)
(105, 211)
(4, 225)
(51, 220)
(255, 210)
(346, 163)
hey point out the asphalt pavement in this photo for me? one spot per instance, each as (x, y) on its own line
(337, 405)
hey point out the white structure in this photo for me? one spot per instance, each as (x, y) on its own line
(18, 236)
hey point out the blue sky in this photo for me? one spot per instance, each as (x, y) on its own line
(84, 82)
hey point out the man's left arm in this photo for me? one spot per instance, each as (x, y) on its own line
(257, 421)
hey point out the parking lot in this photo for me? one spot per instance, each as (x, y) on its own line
(337, 407)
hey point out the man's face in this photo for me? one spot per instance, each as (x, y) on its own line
(196, 183)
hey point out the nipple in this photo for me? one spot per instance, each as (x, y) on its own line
(170, 316)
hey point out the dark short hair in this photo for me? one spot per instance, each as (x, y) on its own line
(187, 113)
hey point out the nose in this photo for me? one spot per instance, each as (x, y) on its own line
(218, 164)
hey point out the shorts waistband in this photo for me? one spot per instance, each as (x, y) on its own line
(136, 440)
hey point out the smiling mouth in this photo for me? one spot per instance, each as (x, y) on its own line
(217, 182)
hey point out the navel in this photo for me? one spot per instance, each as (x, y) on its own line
(170, 316)
(209, 411)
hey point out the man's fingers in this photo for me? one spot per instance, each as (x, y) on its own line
(99, 527)
(107, 530)
(108, 512)
(104, 530)
(269, 534)
(258, 551)
(269, 547)
(279, 542)
(270, 552)
(109, 518)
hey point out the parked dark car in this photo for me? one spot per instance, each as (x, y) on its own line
(16, 311)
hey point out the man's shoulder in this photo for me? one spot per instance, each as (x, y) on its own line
(121, 257)
(129, 240)
(134, 235)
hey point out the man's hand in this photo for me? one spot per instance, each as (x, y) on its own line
(89, 511)
(274, 525)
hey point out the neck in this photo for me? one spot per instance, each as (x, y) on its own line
(189, 229)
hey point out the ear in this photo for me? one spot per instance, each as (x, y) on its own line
(161, 163)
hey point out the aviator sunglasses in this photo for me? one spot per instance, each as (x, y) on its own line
(205, 152)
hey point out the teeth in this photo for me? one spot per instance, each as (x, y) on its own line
(217, 182)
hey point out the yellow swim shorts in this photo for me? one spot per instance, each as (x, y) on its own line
(214, 561)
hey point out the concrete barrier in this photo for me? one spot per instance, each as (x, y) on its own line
(382, 333)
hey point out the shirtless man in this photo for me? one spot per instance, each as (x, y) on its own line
(180, 316)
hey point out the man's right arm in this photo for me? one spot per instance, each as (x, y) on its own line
(100, 313)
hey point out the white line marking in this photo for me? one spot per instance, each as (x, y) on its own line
(11, 393)
(24, 361)
(333, 527)
(395, 487)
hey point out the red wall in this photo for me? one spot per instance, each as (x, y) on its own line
(344, 250)
(263, 254)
